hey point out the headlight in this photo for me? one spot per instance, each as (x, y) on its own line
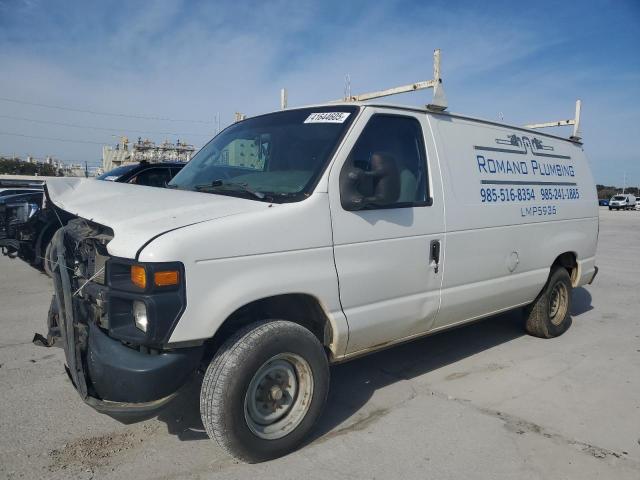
(145, 300)
(140, 315)
(139, 276)
(145, 277)
(162, 278)
(166, 278)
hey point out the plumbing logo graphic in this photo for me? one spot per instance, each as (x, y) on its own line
(523, 145)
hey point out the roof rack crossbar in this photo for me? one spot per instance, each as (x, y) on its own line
(577, 134)
(439, 101)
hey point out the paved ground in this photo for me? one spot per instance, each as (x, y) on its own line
(483, 401)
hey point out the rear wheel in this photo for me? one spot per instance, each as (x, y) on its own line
(264, 390)
(550, 314)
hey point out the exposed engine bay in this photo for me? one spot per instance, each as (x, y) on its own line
(116, 368)
(76, 260)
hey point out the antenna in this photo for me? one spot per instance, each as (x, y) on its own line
(438, 103)
(577, 134)
(283, 99)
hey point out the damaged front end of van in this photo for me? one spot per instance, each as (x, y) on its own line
(113, 317)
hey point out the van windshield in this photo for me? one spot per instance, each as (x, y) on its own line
(619, 197)
(277, 157)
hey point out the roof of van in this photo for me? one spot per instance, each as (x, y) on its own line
(465, 117)
(432, 112)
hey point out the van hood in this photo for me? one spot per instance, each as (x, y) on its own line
(137, 214)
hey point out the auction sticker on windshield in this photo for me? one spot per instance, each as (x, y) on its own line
(327, 117)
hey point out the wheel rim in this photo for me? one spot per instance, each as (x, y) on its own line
(279, 396)
(558, 301)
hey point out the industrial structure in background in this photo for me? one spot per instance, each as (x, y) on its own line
(144, 150)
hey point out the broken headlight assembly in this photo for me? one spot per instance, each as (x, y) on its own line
(146, 300)
(128, 275)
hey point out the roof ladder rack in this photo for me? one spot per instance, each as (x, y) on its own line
(577, 134)
(438, 103)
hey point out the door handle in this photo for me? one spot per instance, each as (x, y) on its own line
(435, 254)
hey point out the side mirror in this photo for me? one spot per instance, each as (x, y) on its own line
(378, 188)
(351, 198)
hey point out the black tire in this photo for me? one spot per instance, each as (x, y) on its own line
(550, 314)
(610, 208)
(224, 396)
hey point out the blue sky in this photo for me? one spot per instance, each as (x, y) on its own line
(190, 60)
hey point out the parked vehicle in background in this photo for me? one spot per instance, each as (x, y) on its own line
(12, 186)
(603, 202)
(622, 201)
(16, 209)
(144, 173)
(14, 191)
(27, 223)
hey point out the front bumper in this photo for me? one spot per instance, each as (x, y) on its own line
(129, 385)
(125, 381)
(119, 373)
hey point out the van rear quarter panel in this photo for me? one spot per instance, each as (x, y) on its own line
(514, 201)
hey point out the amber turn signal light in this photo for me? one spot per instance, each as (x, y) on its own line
(138, 276)
(166, 278)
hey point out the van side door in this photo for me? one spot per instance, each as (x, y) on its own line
(388, 227)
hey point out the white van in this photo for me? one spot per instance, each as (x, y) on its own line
(622, 201)
(306, 237)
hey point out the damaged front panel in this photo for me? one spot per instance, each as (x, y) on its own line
(116, 368)
(79, 297)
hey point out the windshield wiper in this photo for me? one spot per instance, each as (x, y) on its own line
(229, 186)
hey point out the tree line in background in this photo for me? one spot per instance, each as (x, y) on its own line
(13, 166)
(605, 192)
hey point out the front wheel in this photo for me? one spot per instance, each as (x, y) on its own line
(550, 314)
(264, 390)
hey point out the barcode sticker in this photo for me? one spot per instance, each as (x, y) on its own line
(327, 117)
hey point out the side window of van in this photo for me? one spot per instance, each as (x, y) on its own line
(387, 167)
